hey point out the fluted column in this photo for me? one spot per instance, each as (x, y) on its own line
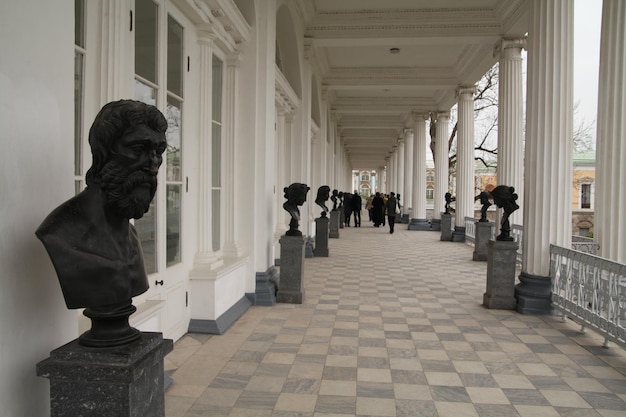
(407, 194)
(610, 224)
(548, 149)
(464, 161)
(400, 168)
(441, 163)
(510, 119)
(231, 247)
(418, 212)
(393, 170)
(281, 175)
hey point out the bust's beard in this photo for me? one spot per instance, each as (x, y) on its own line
(128, 193)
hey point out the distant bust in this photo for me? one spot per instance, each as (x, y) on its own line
(323, 194)
(94, 249)
(296, 196)
(334, 199)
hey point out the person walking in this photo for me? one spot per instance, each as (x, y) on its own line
(378, 210)
(347, 208)
(368, 207)
(357, 203)
(391, 205)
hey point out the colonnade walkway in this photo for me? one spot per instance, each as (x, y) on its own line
(392, 325)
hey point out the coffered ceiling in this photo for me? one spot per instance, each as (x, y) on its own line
(373, 91)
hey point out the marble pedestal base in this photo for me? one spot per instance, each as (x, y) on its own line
(446, 226)
(321, 236)
(120, 381)
(500, 293)
(290, 289)
(483, 234)
(419, 224)
(335, 216)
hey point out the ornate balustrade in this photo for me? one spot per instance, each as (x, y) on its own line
(591, 290)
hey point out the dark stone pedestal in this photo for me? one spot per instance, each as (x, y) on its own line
(419, 224)
(334, 224)
(447, 222)
(121, 381)
(342, 217)
(459, 234)
(405, 218)
(309, 247)
(534, 294)
(265, 290)
(321, 236)
(483, 234)
(290, 288)
(435, 225)
(500, 292)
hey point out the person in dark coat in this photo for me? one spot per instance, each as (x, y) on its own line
(378, 209)
(391, 206)
(357, 203)
(347, 208)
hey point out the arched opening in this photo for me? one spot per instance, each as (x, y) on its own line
(287, 56)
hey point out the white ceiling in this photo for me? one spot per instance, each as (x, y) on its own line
(443, 44)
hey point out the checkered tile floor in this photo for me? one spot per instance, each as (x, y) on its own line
(392, 325)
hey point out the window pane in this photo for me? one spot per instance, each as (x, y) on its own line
(215, 207)
(146, 229)
(79, 23)
(216, 156)
(145, 93)
(174, 57)
(78, 112)
(146, 13)
(217, 89)
(173, 224)
(173, 134)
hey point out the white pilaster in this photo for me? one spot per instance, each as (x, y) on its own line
(510, 119)
(441, 163)
(465, 156)
(610, 224)
(548, 150)
(407, 196)
(231, 247)
(419, 169)
(400, 168)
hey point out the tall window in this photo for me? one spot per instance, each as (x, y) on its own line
(216, 153)
(146, 89)
(160, 82)
(79, 71)
(585, 196)
(430, 193)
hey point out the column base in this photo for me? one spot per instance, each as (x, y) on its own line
(534, 294)
(419, 224)
(265, 290)
(459, 234)
(435, 226)
(122, 381)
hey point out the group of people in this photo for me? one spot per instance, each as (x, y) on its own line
(380, 205)
(352, 204)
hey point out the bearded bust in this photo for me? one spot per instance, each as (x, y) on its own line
(95, 250)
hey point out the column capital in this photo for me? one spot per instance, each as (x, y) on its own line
(420, 115)
(233, 60)
(465, 90)
(509, 47)
(408, 131)
(442, 115)
(207, 36)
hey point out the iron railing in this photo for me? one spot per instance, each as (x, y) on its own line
(591, 290)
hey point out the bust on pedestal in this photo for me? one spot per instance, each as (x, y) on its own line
(482, 231)
(290, 288)
(98, 259)
(322, 223)
(335, 217)
(447, 220)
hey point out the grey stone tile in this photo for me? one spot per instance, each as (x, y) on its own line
(496, 410)
(257, 400)
(371, 389)
(602, 400)
(525, 397)
(340, 373)
(478, 380)
(450, 394)
(409, 408)
(335, 405)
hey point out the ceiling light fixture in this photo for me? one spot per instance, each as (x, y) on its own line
(394, 50)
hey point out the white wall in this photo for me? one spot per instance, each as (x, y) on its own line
(36, 115)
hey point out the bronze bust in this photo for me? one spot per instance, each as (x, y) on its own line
(95, 251)
(296, 196)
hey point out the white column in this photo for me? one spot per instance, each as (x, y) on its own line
(281, 178)
(117, 52)
(510, 120)
(392, 179)
(548, 148)
(407, 193)
(419, 169)
(441, 163)
(385, 177)
(231, 247)
(610, 223)
(464, 160)
(400, 169)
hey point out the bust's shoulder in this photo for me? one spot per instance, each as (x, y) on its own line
(72, 217)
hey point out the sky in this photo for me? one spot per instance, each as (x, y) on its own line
(587, 22)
